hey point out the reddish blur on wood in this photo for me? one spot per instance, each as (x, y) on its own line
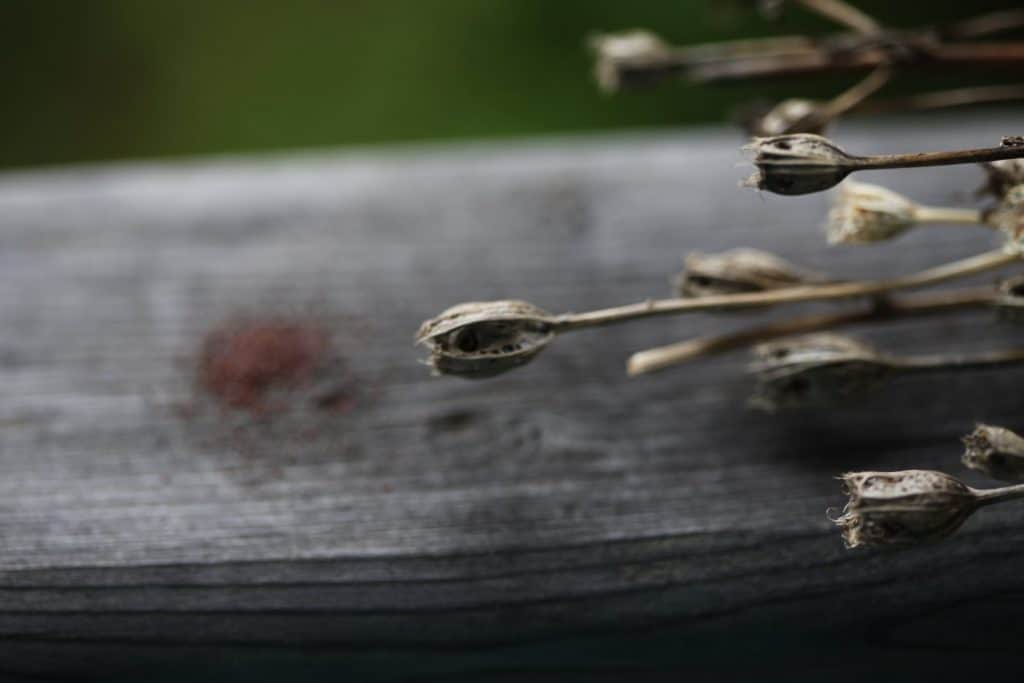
(242, 361)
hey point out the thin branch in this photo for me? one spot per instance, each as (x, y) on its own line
(919, 159)
(855, 95)
(966, 362)
(987, 496)
(950, 271)
(940, 99)
(984, 25)
(659, 358)
(844, 14)
(824, 60)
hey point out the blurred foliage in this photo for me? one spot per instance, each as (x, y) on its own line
(127, 78)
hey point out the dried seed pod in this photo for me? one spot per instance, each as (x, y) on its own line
(912, 506)
(483, 339)
(739, 270)
(865, 213)
(789, 116)
(1002, 175)
(1009, 218)
(629, 58)
(797, 164)
(818, 368)
(996, 451)
(1009, 300)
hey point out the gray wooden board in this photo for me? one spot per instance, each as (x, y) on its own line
(557, 521)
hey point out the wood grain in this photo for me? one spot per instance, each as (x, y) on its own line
(562, 522)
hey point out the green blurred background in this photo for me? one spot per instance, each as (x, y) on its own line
(126, 79)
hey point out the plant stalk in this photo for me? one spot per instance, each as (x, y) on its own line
(947, 215)
(958, 362)
(919, 159)
(844, 290)
(883, 309)
(998, 495)
(844, 14)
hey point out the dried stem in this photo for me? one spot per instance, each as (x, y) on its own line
(984, 25)
(988, 496)
(822, 60)
(948, 363)
(919, 159)
(944, 98)
(844, 14)
(800, 55)
(949, 215)
(855, 95)
(949, 271)
(651, 360)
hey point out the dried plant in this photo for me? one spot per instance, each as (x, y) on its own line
(793, 156)
(911, 506)
(996, 451)
(822, 369)
(865, 213)
(739, 270)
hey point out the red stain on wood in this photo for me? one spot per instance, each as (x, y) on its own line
(242, 363)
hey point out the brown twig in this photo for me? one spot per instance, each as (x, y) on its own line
(882, 309)
(940, 99)
(822, 60)
(844, 290)
(844, 14)
(984, 25)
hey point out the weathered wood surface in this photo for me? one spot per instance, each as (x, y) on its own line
(558, 521)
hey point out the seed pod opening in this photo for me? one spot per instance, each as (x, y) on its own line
(815, 369)
(797, 164)
(911, 506)
(483, 339)
(737, 271)
(996, 451)
(865, 213)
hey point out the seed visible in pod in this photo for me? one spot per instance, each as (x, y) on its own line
(911, 506)
(485, 338)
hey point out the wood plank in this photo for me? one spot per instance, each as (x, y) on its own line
(560, 520)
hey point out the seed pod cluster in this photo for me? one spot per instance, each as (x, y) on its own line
(791, 156)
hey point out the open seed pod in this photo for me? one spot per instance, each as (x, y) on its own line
(996, 451)
(864, 213)
(485, 338)
(815, 369)
(911, 506)
(737, 271)
(797, 164)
